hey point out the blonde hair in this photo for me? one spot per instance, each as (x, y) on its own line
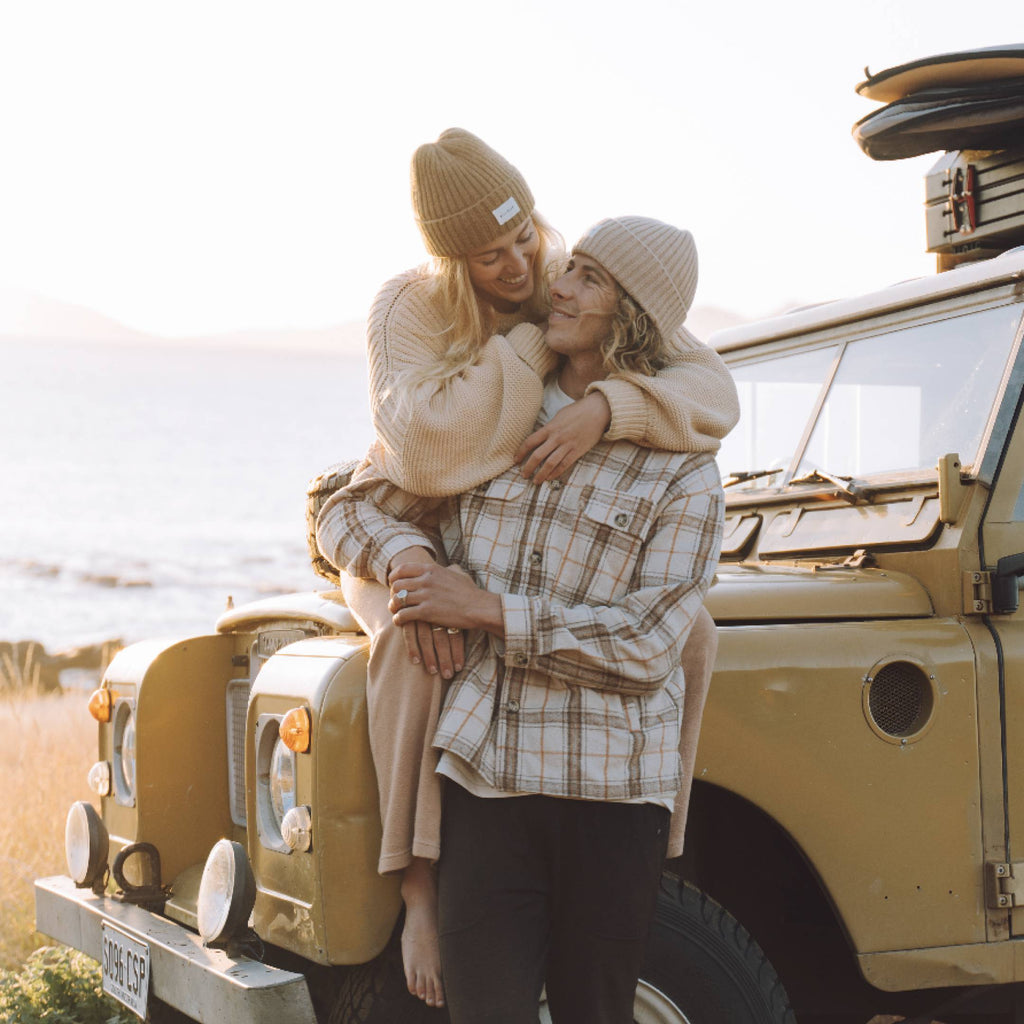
(635, 344)
(470, 320)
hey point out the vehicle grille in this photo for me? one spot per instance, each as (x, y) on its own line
(238, 703)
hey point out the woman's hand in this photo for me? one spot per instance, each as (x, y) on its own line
(439, 649)
(442, 595)
(570, 433)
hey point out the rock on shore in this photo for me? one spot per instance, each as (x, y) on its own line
(25, 665)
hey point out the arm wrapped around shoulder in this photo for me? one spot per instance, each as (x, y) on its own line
(689, 406)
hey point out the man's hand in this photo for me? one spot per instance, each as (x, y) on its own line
(442, 595)
(439, 650)
(431, 644)
(570, 433)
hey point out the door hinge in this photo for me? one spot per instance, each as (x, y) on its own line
(977, 592)
(1004, 885)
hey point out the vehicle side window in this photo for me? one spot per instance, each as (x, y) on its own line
(777, 397)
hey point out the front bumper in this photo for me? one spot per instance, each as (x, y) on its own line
(205, 984)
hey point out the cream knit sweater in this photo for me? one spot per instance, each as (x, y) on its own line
(453, 438)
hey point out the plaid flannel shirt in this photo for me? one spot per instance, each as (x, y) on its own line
(600, 577)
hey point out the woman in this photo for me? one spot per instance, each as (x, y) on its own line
(457, 362)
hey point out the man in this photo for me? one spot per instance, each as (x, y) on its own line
(560, 736)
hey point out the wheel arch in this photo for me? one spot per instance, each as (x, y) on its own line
(741, 857)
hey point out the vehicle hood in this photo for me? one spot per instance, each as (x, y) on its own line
(742, 593)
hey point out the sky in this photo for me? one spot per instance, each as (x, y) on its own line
(193, 167)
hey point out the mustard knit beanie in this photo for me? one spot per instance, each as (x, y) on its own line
(655, 262)
(465, 194)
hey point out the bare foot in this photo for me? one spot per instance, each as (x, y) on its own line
(421, 954)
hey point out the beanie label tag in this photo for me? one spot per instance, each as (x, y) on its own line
(508, 209)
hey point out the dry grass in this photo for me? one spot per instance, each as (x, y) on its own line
(19, 676)
(47, 745)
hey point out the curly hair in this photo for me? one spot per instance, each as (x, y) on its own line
(635, 344)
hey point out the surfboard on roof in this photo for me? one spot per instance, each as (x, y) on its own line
(973, 99)
(966, 67)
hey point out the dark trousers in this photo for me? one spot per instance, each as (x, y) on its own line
(537, 890)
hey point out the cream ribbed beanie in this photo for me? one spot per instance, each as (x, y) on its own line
(655, 262)
(465, 194)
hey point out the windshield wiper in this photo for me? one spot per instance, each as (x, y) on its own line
(744, 475)
(846, 487)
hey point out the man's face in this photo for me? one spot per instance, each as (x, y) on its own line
(583, 300)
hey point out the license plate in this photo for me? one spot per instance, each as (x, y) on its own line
(125, 969)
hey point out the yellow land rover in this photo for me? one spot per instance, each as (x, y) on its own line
(858, 805)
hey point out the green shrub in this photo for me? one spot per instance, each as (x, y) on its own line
(58, 986)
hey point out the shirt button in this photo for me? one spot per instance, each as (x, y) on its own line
(556, 485)
(519, 658)
(621, 519)
(536, 558)
(513, 706)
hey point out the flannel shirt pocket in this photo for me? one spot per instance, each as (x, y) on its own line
(604, 547)
(624, 513)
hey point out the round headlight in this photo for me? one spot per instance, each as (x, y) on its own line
(86, 844)
(124, 752)
(227, 892)
(282, 781)
(276, 783)
(128, 753)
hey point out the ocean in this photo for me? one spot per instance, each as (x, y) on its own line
(141, 486)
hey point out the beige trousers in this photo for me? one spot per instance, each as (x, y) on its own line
(698, 660)
(404, 702)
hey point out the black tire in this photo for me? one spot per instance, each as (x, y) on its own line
(708, 964)
(702, 967)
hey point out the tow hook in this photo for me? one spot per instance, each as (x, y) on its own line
(150, 895)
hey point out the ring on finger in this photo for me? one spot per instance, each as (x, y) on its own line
(452, 632)
(436, 629)
(401, 597)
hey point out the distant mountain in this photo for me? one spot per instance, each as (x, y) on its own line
(344, 338)
(27, 315)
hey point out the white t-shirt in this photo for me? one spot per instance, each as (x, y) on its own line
(555, 399)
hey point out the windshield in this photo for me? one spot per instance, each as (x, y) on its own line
(897, 402)
(777, 397)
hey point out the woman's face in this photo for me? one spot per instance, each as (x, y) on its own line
(503, 271)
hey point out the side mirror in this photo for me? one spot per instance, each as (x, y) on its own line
(1005, 585)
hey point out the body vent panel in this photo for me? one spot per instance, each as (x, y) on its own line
(899, 700)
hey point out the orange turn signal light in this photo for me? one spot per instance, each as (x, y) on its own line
(101, 704)
(295, 729)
